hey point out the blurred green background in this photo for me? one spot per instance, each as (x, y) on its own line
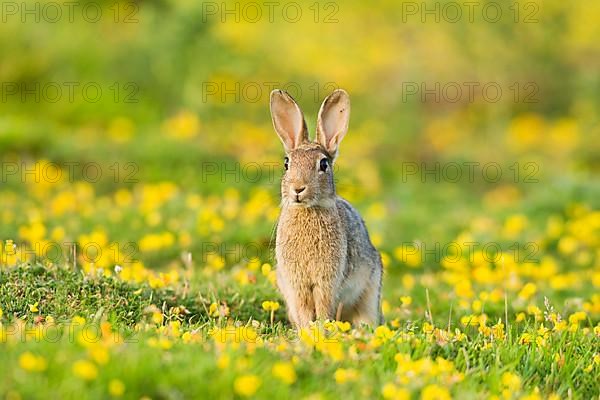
(184, 99)
(140, 131)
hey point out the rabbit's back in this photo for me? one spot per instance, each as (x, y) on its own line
(363, 262)
(360, 248)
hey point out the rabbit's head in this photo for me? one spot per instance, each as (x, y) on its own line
(308, 177)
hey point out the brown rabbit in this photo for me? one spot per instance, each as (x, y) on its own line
(327, 266)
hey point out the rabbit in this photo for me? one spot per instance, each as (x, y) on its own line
(326, 266)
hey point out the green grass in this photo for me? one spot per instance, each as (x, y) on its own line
(170, 330)
(186, 366)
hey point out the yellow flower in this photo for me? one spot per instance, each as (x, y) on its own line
(576, 317)
(270, 305)
(459, 336)
(427, 327)
(385, 307)
(223, 362)
(85, 370)
(560, 326)
(526, 338)
(472, 320)
(183, 125)
(34, 307)
(406, 300)
(477, 306)
(266, 269)
(409, 255)
(157, 317)
(246, 385)
(514, 225)
(526, 132)
(9, 247)
(543, 331)
(116, 388)
(99, 354)
(218, 310)
(540, 341)
(498, 330)
(511, 381)
(343, 375)
(435, 392)
(343, 326)
(535, 395)
(386, 260)
(32, 363)
(213, 310)
(463, 289)
(383, 332)
(534, 310)
(528, 290)
(332, 348)
(567, 245)
(285, 372)
(254, 264)
(392, 392)
(161, 343)
(188, 337)
(408, 281)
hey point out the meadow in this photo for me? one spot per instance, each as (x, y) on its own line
(139, 192)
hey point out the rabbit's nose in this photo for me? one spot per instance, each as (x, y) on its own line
(300, 189)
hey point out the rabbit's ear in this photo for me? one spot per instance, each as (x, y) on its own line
(332, 123)
(288, 120)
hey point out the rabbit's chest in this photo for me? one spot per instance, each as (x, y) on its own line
(311, 239)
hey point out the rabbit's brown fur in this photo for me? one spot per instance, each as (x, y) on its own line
(325, 259)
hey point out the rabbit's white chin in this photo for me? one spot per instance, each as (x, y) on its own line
(300, 204)
(305, 203)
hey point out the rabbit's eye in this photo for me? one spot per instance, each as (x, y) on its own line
(323, 165)
(286, 163)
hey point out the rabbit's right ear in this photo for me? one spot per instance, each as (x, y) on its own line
(332, 122)
(288, 120)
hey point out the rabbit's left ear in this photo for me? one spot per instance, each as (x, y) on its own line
(332, 123)
(288, 120)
